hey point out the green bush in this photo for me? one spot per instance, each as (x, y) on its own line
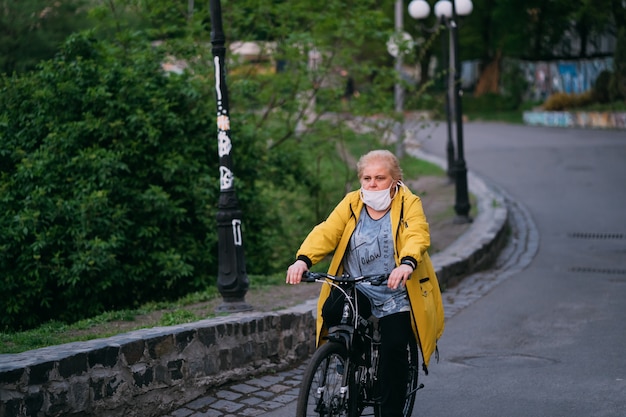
(489, 102)
(433, 102)
(109, 186)
(567, 101)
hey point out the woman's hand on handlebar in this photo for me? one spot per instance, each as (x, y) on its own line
(295, 271)
(399, 276)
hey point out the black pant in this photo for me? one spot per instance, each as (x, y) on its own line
(395, 331)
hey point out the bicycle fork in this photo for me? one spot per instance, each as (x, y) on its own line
(337, 403)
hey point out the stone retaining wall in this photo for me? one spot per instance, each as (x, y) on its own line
(146, 372)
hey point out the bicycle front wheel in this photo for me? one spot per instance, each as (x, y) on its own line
(413, 378)
(322, 393)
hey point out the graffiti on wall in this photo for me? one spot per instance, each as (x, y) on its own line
(546, 78)
(598, 120)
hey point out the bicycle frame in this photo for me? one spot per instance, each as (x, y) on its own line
(349, 359)
(355, 329)
(352, 323)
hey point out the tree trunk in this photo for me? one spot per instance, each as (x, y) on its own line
(583, 34)
(489, 79)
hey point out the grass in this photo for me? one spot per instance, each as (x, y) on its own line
(514, 117)
(55, 332)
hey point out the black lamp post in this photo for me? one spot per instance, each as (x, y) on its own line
(446, 11)
(448, 86)
(398, 88)
(462, 203)
(232, 280)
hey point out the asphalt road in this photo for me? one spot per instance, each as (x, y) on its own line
(550, 340)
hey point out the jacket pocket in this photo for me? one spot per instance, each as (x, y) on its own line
(427, 293)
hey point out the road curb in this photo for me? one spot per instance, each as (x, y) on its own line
(479, 246)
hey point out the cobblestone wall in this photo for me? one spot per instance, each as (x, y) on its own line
(147, 372)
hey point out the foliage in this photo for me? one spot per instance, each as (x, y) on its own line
(601, 87)
(32, 30)
(618, 82)
(514, 85)
(179, 316)
(54, 332)
(614, 106)
(533, 29)
(567, 101)
(107, 185)
(489, 102)
(110, 185)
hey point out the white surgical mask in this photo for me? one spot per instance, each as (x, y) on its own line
(378, 200)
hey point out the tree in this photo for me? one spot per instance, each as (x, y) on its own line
(618, 81)
(109, 169)
(531, 30)
(32, 30)
(591, 20)
(618, 8)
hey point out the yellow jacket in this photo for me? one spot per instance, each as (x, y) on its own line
(412, 239)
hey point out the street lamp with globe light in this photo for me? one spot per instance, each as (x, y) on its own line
(448, 12)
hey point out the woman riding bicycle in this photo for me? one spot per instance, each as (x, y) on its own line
(380, 229)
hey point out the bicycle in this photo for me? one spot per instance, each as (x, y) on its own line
(341, 378)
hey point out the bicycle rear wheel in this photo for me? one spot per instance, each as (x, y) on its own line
(322, 393)
(412, 380)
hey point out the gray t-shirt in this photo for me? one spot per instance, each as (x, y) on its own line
(371, 252)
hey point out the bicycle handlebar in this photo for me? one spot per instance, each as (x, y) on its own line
(378, 279)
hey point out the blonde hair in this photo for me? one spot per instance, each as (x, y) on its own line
(384, 156)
